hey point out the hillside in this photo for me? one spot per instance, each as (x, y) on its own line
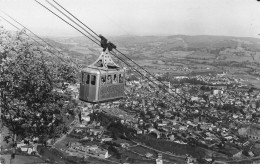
(178, 46)
(217, 54)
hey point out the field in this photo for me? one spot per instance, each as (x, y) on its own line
(130, 157)
(51, 155)
(256, 83)
(143, 150)
(172, 147)
(20, 159)
(55, 156)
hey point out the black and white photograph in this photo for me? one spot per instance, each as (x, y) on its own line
(130, 82)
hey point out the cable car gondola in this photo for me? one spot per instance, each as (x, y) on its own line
(103, 80)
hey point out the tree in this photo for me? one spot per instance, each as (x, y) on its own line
(132, 78)
(31, 87)
(258, 104)
(67, 73)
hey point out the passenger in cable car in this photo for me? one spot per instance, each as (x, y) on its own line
(121, 78)
(87, 81)
(115, 79)
(103, 80)
(111, 66)
(109, 79)
(93, 80)
(99, 63)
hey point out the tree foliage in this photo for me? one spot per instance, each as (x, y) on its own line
(258, 104)
(32, 87)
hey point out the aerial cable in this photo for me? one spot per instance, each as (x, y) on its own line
(67, 22)
(75, 18)
(32, 38)
(29, 31)
(9, 22)
(72, 20)
(34, 35)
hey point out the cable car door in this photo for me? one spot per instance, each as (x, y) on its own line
(92, 91)
(84, 87)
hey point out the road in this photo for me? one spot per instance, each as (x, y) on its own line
(247, 159)
(182, 157)
(64, 135)
(71, 129)
(94, 156)
(151, 158)
(176, 156)
(22, 159)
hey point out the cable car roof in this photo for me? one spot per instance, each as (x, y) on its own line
(98, 71)
(103, 65)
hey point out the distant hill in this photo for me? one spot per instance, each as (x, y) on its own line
(177, 54)
(200, 41)
(168, 48)
(219, 48)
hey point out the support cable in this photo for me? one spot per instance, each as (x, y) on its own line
(75, 18)
(32, 38)
(71, 20)
(66, 22)
(35, 36)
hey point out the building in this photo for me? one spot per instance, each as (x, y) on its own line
(194, 98)
(250, 132)
(216, 92)
(96, 132)
(155, 131)
(94, 149)
(106, 139)
(148, 155)
(124, 145)
(85, 118)
(28, 148)
(159, 159)
(237, 154)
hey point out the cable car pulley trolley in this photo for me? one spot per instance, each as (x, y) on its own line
(103, 80)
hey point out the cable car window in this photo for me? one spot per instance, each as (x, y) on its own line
(93, 80)
(121, 78)
(87, 79)
(82, 78)
(115, 79)
(103, 80)
(109, 79)
(99, 63)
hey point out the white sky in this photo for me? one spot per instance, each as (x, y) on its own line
(142, 17)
